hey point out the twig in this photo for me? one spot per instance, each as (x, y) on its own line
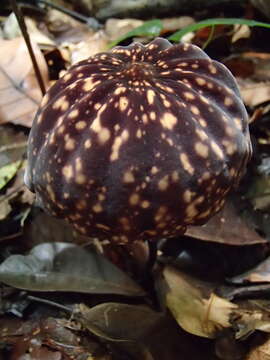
(90, 21)
(26, 37)
(49, 302)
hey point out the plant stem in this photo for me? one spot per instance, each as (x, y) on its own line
(26, 37)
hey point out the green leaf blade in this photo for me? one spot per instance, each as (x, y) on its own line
(177, 36)
(151, 28)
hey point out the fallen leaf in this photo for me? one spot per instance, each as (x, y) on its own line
(263, 6)
(19, 90)
(116, 28)
(226, 227)
(176, 23)
(261, 352)
(259, 192)
(194, 305)
(260, 273)
(7, 172)
(119, 322)
(254, 93)
(66, 267)
(199, 311)
(92, 45)
(5, 207)
(12, 30)
(241, 32)
(13, 145)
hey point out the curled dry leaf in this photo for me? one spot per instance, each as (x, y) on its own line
(66, 267)
(199, 311)
(241, 32)
(193, 304)
(20, 94)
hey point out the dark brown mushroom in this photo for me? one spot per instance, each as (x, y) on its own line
(139, 142)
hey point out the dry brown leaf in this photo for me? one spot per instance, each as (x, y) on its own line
(176, 23)
(20, 94)
(262, 352)
(65, 28)
(254, 93)
(94, 44)
(226, 227)
(241, 32)
(12, 30)
(115, 28)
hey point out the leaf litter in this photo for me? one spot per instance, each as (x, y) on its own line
(219, 309)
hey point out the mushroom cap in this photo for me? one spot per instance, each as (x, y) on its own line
(139, 142)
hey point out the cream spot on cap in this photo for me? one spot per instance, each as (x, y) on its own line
(168, 121)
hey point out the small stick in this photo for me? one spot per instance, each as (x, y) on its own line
(26, 37)
(90, 21)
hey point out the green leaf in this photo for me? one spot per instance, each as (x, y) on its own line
(151, 28)
(7, 172)
(177, 36)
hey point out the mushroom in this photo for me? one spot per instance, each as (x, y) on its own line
(139, 142)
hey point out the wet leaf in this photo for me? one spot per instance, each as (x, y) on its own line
(66, 267)
(151, 28)
(120, 322)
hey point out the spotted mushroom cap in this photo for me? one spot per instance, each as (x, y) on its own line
(139, 142)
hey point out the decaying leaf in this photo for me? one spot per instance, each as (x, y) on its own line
(5, 208)
(92, 45)
(226, 227)
(260, 273)
(66, 267)
(115, 28)
(194, 305)
(12, 30)
(13, 145)
(259, 192)
(261, 352)
(119, 322)
(198, 310)
(19, 91)
(254, 93)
